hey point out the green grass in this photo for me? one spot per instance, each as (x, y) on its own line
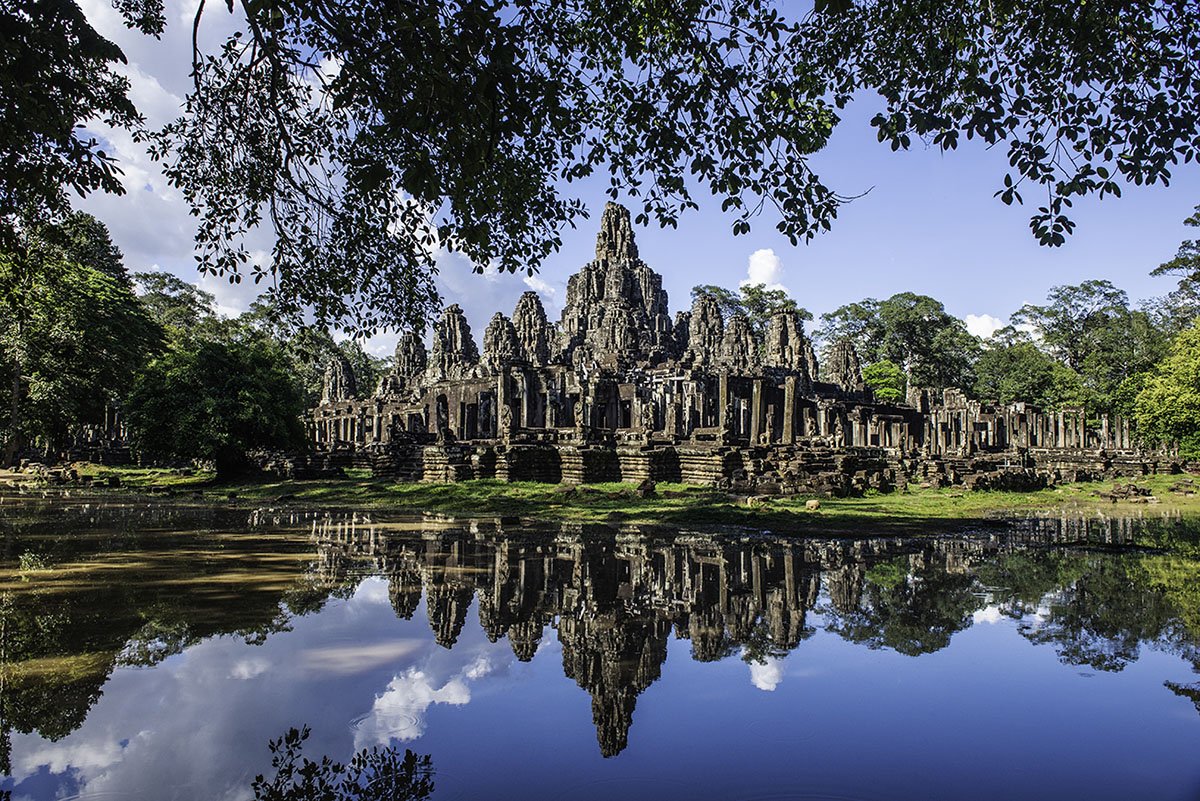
(678, 504)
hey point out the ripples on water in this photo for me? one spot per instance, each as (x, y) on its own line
(153, 651)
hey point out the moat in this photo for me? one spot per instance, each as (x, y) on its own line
(151, 651)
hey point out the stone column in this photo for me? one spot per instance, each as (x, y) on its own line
(756, 412)
(503, 421)
(789, 410)
(723, 401)
(530, 401)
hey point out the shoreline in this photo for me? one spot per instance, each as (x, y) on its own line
(907, 511)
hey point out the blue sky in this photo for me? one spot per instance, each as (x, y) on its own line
(928, 222)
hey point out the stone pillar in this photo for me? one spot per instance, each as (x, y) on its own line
(756, 412)
(789, 410)
(503, 421)
(530, 400)
(723, 410)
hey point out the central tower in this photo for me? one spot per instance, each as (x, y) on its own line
(616, 309)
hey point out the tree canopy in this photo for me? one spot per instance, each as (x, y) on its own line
(1092, 330)
(366, 136)
(56, 73)
(1013, 369)
(1182, 305)
(1168, 407)
(72, 332)
(915, 332)
(216, 398)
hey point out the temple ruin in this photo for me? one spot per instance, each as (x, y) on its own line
(619, 390)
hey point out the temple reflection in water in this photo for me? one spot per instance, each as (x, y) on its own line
(613, 597)
(87, 590)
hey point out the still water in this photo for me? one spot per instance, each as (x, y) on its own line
(152, 652)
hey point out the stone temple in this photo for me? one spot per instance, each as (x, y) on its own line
(619, 390)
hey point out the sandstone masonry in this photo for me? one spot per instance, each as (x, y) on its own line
(618, 390)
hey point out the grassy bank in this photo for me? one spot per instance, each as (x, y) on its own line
(619, 503)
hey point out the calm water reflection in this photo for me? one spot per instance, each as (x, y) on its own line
(152, 652)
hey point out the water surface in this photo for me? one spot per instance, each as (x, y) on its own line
(152, 652)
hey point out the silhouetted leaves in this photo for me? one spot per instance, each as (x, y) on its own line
(373, 774)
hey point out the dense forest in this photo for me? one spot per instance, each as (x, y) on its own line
(83, 336)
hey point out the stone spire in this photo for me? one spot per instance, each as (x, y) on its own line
(338, 384)
(454, 350)
(810, 361)
(533, 332)
(411, 358)
(786, 344)
(616, 309)
(500, 345)
(739, 346)
(615, 241)
(706, 329)
(843, 368)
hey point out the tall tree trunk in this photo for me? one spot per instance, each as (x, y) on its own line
(13, 446)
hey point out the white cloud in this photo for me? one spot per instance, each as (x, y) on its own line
(990, 615)
(357, 657)
(767, 675)
(249, 668)
(764, 267)
(95, 756)
(399, 711)
(541, 287)
(983, 325)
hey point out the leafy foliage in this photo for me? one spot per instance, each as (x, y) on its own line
(73, 334)
(1085, 95)
(367, 136)
(215, 397)
(1091, 329)
(373, 774)
(1182, 306)
(56, 74)
(932, 347)
(1012, 369)
(886, 380)
(174, 304)
(458, 123)
(1168, 408)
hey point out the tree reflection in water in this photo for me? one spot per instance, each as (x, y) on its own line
(373, 774)
(124, 589)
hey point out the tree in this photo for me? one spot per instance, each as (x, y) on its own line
(1011, 369)
(83, 239)
(886, 380)
(1090, 328)
(1180, 308)
(373, 774)
(366, 135)
(73, 335)
(932, 347)
(215, 398)
(56, 74)
(174, 304)
(1073, 318)
(1167, 409)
